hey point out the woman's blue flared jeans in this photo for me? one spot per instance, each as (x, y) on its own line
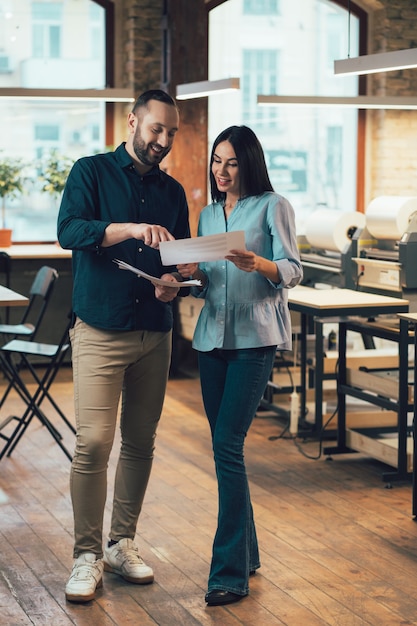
(233, 382)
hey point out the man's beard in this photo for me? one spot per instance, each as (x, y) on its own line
(141, 150)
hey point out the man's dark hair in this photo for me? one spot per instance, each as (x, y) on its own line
(153, 94)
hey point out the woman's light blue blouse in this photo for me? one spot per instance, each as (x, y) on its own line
(245, 309)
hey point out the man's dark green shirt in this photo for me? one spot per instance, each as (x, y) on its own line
(103, 189)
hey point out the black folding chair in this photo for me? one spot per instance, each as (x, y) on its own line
(39, 296)
(26, 349)
(5, 271)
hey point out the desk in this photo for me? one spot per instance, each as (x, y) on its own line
(373, 441)
(412, 319)
(327, 303)
(11, 298)
(33, 251)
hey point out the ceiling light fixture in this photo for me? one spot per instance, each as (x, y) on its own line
(355, 102)
(381, 62)
(101, 95)
(207, 88)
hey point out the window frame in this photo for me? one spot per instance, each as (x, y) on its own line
(107, 116)
(249, 11)
(362, 16)
(109, 26)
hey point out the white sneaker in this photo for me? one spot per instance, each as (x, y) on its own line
(123, 558)
(86, 576)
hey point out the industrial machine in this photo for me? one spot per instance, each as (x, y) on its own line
(325, 249)
(374, 252)
(384, 254)
(327, 267)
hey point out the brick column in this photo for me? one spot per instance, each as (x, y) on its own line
(139, 43)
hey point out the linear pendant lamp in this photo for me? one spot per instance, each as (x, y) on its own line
(96, 95)
(381, 62)
(353, 102)
(207, 88)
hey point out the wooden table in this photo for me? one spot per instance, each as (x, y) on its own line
(11, 298)
(33, 251)
(331, 302)
(319, 305)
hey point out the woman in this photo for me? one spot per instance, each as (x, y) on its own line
(244, 321)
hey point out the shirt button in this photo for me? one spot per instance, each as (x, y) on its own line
(223, 286)
(140, 249)
(143, 200)
(137, 301)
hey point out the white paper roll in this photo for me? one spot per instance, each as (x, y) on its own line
(387, 217)
(330, 230)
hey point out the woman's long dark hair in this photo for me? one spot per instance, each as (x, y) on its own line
(253, 173)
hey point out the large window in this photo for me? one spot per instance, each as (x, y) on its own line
(47, 24)
(49, 45)
(260, 75)
(260, 7)
(288, 48)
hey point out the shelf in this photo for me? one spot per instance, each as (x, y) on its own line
(380, 444)
(382, 382)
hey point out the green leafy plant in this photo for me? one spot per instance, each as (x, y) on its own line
(11, 182)
(54, 173)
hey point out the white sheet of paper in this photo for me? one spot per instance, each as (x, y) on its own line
(197, 249)
(157, 281)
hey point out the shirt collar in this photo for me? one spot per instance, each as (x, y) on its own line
(125, 161)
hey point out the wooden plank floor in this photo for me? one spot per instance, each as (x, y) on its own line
(337, 547)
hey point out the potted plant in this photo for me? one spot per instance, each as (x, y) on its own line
(54, 173)
(11, 184)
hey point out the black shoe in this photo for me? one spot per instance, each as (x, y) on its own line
(218, 597)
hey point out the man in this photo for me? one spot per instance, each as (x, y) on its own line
(119, 205)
